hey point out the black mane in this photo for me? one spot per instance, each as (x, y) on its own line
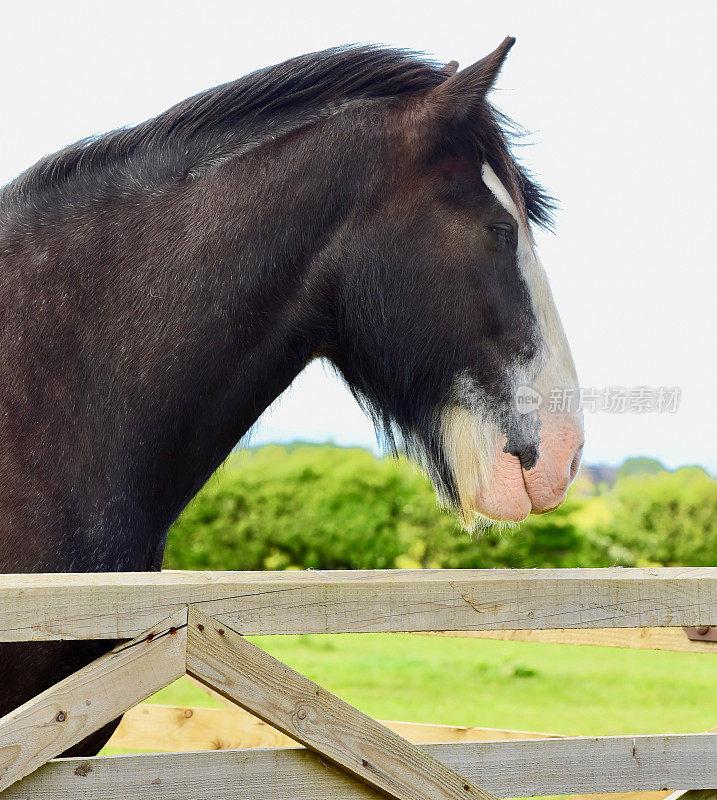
(234, 117)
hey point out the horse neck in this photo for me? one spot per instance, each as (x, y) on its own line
(206, 311)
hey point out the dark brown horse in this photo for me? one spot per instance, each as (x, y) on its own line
(162, 284)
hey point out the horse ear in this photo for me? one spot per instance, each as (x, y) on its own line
(461, 92)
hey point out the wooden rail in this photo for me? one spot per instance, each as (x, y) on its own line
(121, 606)
(674, 639)
(153, 728)
(195, 622)
(507, 768)
(156, 728)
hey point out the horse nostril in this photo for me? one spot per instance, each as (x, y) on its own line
(527, 455)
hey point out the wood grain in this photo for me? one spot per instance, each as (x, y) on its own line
(65, 713)
(635, 638)
(186, 729)
(181, 729)
(318, 719)
(122, 605)
(508, 769)
(622, 796)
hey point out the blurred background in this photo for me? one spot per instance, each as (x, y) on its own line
(618, 99)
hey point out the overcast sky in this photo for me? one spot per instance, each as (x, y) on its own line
(619, 97)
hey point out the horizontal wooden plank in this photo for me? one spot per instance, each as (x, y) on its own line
(321, 721)
(82, 703)
(509, 769)
(183, 729)
(622, 796)
(122, 605)
(636, 638)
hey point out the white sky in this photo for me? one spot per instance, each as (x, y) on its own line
(620, 97)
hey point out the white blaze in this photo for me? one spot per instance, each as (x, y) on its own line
(554, 367)
(488, 480)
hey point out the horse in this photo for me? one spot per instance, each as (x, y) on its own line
(162, 284)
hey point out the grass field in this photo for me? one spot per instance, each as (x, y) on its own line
(514, 685)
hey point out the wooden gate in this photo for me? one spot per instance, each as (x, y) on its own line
(195, 622)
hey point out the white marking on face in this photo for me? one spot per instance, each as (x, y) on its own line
(553, 367)
(473, 442)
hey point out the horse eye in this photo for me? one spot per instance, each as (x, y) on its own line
(503, 232)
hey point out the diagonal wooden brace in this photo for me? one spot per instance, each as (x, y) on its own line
(82, 703)
(277, 694)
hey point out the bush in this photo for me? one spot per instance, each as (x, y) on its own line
(324, 507)
(669, 518)
(306, 507)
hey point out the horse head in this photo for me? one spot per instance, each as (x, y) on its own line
(449, 332)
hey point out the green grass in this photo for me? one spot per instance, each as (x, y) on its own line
(513, 685)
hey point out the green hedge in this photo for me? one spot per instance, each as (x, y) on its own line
(324, 507)
(666, 518)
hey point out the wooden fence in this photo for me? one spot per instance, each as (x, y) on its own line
(194, 622)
